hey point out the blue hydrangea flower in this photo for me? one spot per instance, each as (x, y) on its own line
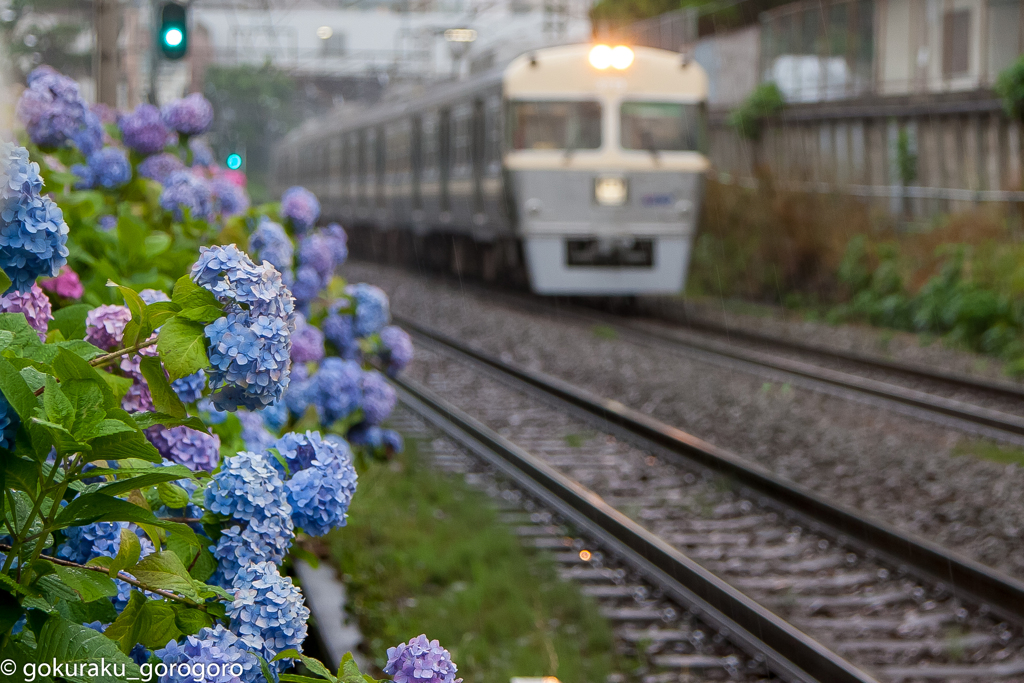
(372, 312)
(269, 242)
(186, 446)
(366, 434)
(143, 130)
(265, 539)
(393, 441)
(183, 190)
(268, 613)
(421, 661)
(83, 543)
(191, 115)
(336, 392)
(231, 276)
(109, 168)
(275, 415)
(379, 397)
(254, 432)
(249, 358)
(338, 240)
(338, 329)
(228, 198)
(210, 413)
(321, 492)
(190, 388)
(160, 167)
(316, 252)
(247, 487)
(107, 222)
(33, 234)
(9, 422)
(301, 388)
(397, 350)
(217, 646)
(307, 342)
(152, 296)
(300, 206)
(55, 114)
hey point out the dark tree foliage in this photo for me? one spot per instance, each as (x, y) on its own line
(1010, 87)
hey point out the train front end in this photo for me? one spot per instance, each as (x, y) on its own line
(604, 166)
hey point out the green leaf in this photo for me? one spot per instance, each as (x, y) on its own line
(69, 366)
(122, 446)
(296, 678)
(90, 585)
(58, 407)
(348, 670)
(172, 496)
(182, 347)
(133, 301)
(118, 385)
(190, 620)
(160, 311)
(159, 624)
(61, 438)
(156, 244)
(203, 314)
(128, 553)
(6, 338)
(314, 665)
(86, 399)
(147, 420)
(21, 474)
(127, 628)
(199, 568)
(99, 507)
(5, 284)
(25, 335)
(108, 427)
(67, 642)
(164, 397)
(164, 570)
(16, 390)
(188, 294)
(70, 320)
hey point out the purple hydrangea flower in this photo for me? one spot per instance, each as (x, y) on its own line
(307, 343)
(190, 388)
(308, 284)
(202, 155)
(160, 167)
(316, 252)
(152, 296)
(301, 207)
(228, 198)
(107, 222)
(143, 130)
(34, 304)
(268, 613)
(379, 397)
(104, 325)
(372, 312)
(336, 237)
(397, 349)
(194, 449)
(109, 168)
(33, 234)
(183, 190)
(55, 114)
(191, 115)
(421, 661)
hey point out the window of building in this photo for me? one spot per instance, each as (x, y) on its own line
(956, 36)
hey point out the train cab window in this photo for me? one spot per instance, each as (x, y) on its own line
(661, 126)
(555, 125)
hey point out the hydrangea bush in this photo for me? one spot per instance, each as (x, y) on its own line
(175, 414)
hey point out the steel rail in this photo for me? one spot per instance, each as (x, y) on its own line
(965, 578)
(788, 652)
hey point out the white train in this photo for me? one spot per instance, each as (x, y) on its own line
(577, 167)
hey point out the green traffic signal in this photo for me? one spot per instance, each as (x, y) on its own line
(173, 30)
(234, 161)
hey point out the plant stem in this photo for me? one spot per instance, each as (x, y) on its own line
(101, 361)
(123, 576)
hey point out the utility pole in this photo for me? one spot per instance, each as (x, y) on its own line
(107, 24)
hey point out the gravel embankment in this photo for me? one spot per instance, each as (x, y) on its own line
(896, 468)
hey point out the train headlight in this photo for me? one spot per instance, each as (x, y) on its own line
(601, 57)
(622, 57)
(610, 191)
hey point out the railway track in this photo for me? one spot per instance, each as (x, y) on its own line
(811, 590)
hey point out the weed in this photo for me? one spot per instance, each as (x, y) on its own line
(576, 440)
(987, 450)
(497, 606)
(604, 332)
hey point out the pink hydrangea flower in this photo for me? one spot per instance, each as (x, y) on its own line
(34, 304)
(66, 284)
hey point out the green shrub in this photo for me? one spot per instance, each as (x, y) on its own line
(1010, 88)
(763, 102)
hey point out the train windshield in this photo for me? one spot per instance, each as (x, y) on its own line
(661, 126)
(555, 125)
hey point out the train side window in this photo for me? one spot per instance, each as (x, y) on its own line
(661, 126)
(555, 125)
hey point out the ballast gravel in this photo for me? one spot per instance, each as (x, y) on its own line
(915, 474)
